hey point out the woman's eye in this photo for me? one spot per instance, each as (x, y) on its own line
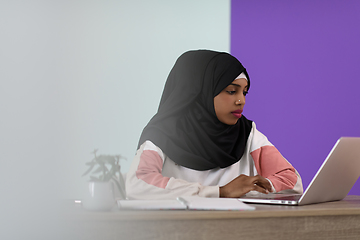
(231, 92)
(245, 93)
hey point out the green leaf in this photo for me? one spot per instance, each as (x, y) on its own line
(107, 159)
(107, 177)
(110, 174)
(111, 160)
(89, 170)
(99, 169)
(102, 171)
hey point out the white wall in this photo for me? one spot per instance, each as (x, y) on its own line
(80, 75)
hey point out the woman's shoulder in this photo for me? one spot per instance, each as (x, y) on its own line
(254, 128)
(257, 138)
(150, 146)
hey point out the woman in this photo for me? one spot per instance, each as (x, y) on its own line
(199, 143)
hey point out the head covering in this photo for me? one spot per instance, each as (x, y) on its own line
(186, 127)
(242, 75)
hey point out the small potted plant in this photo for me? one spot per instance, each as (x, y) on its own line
(105, 180)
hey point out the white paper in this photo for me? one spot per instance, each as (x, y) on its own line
(200, 203)
(191, 203)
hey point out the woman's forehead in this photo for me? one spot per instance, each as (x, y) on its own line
(240, 81)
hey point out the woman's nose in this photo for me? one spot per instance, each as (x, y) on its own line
(240, 100)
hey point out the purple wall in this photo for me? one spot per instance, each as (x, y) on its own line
(303, 58)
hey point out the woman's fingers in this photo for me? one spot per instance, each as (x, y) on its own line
(244, 184)
(260, 189)
(262, 183)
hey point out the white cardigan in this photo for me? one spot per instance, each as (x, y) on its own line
(153, 175)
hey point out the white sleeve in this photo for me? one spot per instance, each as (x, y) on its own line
(145, 180)
(270, 164)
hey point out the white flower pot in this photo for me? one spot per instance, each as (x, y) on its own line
(99, 196)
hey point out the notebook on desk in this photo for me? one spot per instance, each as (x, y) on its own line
(185, 203)
(332, 182)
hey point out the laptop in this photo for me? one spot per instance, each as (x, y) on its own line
(332, 182)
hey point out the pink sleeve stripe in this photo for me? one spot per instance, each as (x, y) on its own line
(149, 169)
(270, 164)
(283, 180)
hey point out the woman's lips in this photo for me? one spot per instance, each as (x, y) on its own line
(237, 113)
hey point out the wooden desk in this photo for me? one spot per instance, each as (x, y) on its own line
(332, 220)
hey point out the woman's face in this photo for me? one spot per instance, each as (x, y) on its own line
(227, 106)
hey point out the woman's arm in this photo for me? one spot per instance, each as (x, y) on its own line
(270, 164)
(145, 180)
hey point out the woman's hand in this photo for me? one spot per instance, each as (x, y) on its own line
(244, 184)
